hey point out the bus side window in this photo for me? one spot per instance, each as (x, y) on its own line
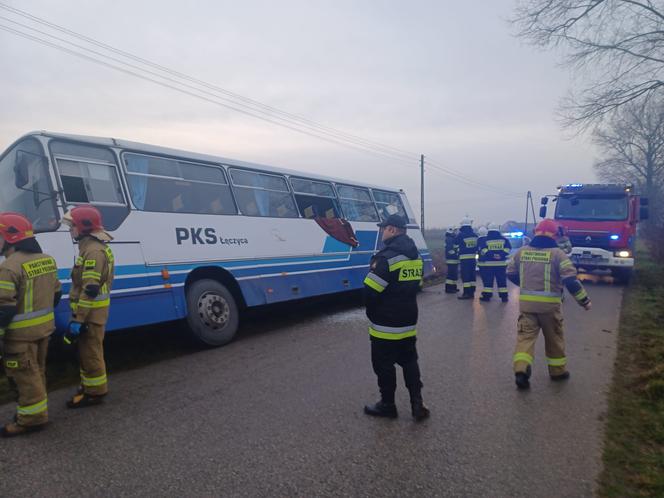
(172, 186)
(262, 194)
(388, 202)
(89, 174)
(315, 199)
(356, 203)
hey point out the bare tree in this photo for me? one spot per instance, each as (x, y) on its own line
(632, 145)
(617, 45)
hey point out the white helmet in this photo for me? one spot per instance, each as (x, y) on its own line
(482, 231)
(494, 227)
(466, 222)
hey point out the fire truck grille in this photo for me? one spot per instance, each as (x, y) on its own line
(591, 240)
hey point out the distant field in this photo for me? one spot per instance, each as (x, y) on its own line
(434, 238)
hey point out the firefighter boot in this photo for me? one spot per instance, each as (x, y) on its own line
(14, 429)
(381, 409)
(562, 376)
(522, 379)
(419, 411)
(83, 400)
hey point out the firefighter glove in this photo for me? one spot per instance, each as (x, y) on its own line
(73, 331)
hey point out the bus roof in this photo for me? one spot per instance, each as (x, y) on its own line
(194, 156)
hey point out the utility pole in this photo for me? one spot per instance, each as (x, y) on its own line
(525, 226)
(422, 192)
(529, 204)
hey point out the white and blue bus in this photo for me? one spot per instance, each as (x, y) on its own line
(198, 237)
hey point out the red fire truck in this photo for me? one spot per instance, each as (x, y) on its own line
(600, 220)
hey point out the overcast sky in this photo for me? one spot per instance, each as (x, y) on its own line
(446, 79)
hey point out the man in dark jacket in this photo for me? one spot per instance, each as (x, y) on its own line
(493, 251)
(391, 295)
(467, 242)
(452, 261)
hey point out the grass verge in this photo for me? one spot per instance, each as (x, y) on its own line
(634, 442)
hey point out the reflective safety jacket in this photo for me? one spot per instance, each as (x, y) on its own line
(29, 292)
(91, 282)
(493, 249)
(480, 256)
(391, 289)
(451, 250)
(541, 269)
(466, 243)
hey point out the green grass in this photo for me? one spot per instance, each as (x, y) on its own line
(634, 444)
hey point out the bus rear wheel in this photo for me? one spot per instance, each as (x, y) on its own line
(212, 313)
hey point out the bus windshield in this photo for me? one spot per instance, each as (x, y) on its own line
(25, 186)
(575, 207)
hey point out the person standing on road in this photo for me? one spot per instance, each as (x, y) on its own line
(563, 240)
(452, 261)
(391, 288)
(493, 251)
(467, 242)
(90, 297)
(29, 292)
(481, 238)
(541, 269)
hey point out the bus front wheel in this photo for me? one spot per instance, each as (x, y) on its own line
(213, 316)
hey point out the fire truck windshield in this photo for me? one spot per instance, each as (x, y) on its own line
(578, 207)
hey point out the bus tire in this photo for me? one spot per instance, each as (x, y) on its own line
(212, 313)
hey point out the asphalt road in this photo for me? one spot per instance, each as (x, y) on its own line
(279, 413)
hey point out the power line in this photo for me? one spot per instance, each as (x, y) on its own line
(470, 182)
(227, 99)
(190, 93)
(235, 98)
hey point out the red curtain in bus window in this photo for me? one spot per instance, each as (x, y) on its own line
(340, 229)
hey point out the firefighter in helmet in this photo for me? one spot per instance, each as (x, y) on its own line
(92, 277)
(467, 242)
(542, 269)
(493, 251)
(29, 292)
(452, 261)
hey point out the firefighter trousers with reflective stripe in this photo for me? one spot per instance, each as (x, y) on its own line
(25, 366)
(467, 267)
(384, 354)
(490, 274)
(529, 325)
(452, 277)
(91, 358)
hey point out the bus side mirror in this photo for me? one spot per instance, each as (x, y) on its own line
(644, 213)
(544, 201)
(643, 201)
(21, 172)
(543, 212)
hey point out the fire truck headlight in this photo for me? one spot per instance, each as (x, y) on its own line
(623, 254)
(615, 237)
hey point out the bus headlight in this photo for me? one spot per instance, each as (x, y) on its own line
(623, 254)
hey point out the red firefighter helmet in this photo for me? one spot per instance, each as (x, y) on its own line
(85, 218)
(547, 227)
(15, 227)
